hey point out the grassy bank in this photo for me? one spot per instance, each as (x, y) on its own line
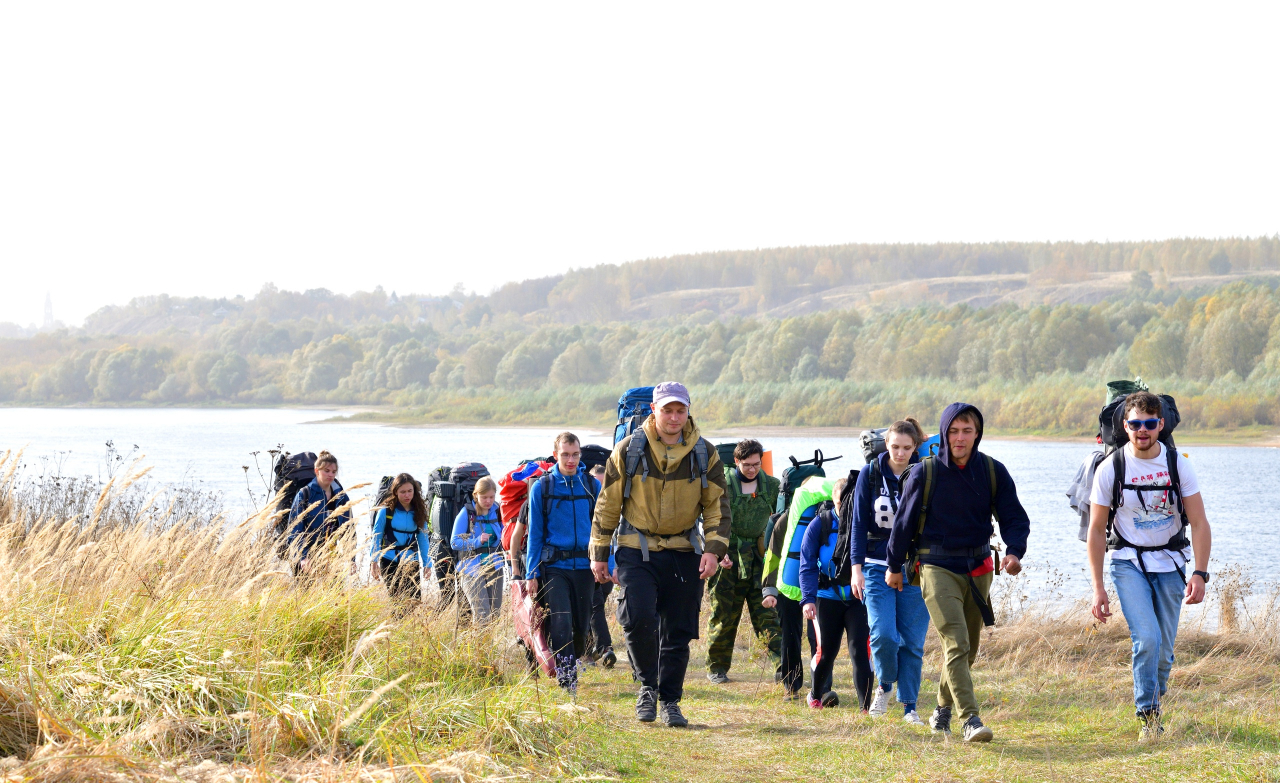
(137, 646)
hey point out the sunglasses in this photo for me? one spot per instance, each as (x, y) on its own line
(1139, 424)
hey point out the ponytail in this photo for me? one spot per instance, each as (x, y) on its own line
(909, 427)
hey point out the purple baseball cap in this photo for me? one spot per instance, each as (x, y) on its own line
(670, 391)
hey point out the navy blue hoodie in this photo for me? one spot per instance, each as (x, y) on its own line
(960, 515)
(864, 497)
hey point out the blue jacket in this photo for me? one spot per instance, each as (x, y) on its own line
(473, 555)
(960, 514)
(405, 531)
(865, 497)
(307, 528)
(560, 520)
(815, 558)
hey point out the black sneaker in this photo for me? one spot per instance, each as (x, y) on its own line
(672, 716)
(608, 659)
(647, 705)
(1152, 728)
(941, 719)
(830, 699)
(974, 731)
(717, 678)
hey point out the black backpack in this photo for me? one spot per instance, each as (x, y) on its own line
(291, 472)
(725, 450)
(873, 444)
(593, 455)
(842, 556)
(454, 495)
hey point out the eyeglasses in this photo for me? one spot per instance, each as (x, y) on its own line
(1138, 424)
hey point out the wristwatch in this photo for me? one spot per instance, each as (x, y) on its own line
(1202, 574)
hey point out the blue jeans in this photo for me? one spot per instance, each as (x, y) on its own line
(1152, 609)
(899, 622)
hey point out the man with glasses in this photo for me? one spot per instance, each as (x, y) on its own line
(1144, 498)
(752, 497)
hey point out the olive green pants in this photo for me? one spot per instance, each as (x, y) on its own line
(959, 622)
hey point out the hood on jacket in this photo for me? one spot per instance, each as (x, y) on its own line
(949, 415)
(671, 459)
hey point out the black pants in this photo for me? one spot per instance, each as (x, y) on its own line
(836, 620)
(444, 561)
(601, 639)
(658, 610)
(403, 579)
(566, 594)
(794, 627)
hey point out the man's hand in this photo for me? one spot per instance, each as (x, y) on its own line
(858, 582)
(725, 562)
(769, 601)
(531, 586)
(708, 566)
(1101, 605)
(1011, 565)
(600, 571)
(810, 611)
(1195, 589)
(375, 570)
(893, 580)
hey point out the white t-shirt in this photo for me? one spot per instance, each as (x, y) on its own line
(1153, 518)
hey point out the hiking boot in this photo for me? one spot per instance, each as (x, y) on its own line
(647, 705)
(880, 704)
(913, 718)
(1152, 728)
(608, 659)
(717, 678)
(813, 702)
(941, 719)
(672, 716)
(791, 696)
(974, 731)
(830, 699)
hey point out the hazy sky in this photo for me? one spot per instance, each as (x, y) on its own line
(209, 148)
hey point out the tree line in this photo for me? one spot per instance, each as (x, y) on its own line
(814, 369)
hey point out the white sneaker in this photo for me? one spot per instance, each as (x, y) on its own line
(880, 704)
(913, 718)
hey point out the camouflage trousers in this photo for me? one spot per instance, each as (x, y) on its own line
(730, 588)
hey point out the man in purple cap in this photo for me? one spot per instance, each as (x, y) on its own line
(659, 481)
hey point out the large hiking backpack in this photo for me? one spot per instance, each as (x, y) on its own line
(291, 472)
(451, 496)
(792, 478)
(812, 501)
(593, 455)
(725, 450)
(634, 406)
(842, 557)
(873, 444)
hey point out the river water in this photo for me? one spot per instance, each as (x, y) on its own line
(210, 447)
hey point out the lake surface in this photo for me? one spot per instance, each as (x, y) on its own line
(211, 446)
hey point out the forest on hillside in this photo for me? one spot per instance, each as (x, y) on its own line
(815, 369)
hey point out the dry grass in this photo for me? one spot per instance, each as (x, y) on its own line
(140, 643)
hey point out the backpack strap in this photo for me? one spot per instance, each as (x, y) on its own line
(635, 460)
(991, 472)
(700, 460)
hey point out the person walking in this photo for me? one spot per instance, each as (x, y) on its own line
(561, 504)
(399, 541)
(837, 612)
(1144, 498)
(319, 511)
(899, 619)
(659, 481)
(945, 518)
(753, 495)
(477, 538)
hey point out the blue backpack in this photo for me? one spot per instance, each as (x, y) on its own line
(633, 409)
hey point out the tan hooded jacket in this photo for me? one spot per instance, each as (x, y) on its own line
(667, 504)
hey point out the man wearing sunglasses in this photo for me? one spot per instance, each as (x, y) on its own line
(1144, 498)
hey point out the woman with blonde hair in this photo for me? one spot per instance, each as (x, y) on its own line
(477, 538)
(898, 619)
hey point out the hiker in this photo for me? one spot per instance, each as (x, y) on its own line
(659, 480)
(400, 539)
(561, 503)
(601, 646)
(833, 606)
(477, 537)
(752, 498)
(899, 620)
(319, 510)
(1145, 529)
(945, 518)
